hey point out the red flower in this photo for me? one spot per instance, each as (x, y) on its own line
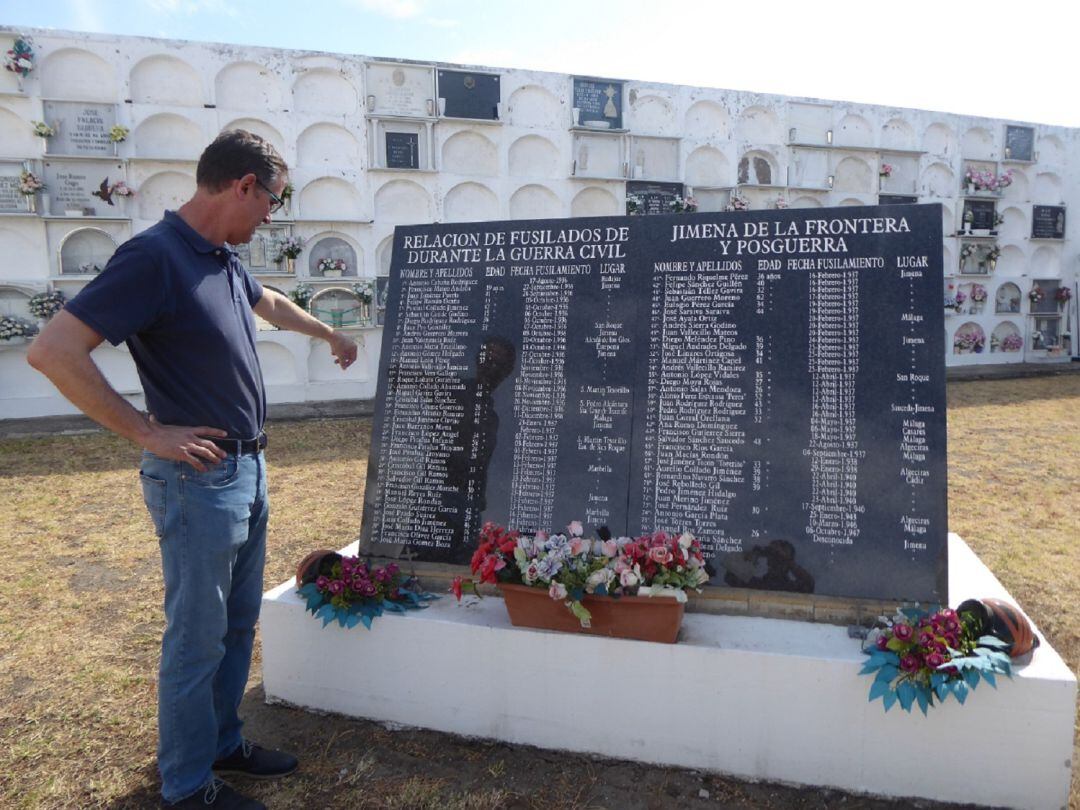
(455, 587)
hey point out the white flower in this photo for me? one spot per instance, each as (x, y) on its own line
(628, 579)
(557, 591)
(685, 540)
(598, 578)
(575, 528)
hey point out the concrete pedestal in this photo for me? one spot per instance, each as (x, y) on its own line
(753, 698)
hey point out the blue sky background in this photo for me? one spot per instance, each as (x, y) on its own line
(994, 58)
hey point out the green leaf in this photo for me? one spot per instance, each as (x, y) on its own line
(878, 689)
(906, 693)
(581, 612)
(871, 666)
(887, 673)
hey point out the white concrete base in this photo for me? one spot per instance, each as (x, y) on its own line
(761, 699)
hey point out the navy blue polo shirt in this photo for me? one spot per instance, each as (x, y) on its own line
(183, 305)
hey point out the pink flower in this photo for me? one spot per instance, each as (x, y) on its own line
(580, 546)
(575, 528)
(882, 643)
(660, 555)
(336, 586)
(609, 548)
(935, 660)
(903, 632)
(557, 590)
(322, 582)
(628, 579)
(455, 588)
(909, 663)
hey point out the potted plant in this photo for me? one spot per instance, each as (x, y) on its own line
(992, 256)
(287, 250)
(978, 298)
(629, 588)
(958, 302)
(332, 268)
(966, 252)
(1012, 343)
(1036, 294)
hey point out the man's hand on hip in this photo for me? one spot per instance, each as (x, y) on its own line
(343, 348)
(188, 444)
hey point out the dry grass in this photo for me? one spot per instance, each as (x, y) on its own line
(80, 620)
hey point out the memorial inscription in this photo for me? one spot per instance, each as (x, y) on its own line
(83, 185)
(469, 95)
(772, 381)
(11, 199)
(653, 198)
(1019, 143)
(82, 129)
(599, 103)
(1048, 222)
(402, 150)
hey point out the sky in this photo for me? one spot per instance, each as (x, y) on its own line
(1008, 60)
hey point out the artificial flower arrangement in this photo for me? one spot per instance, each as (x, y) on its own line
(999, 218)
(993, 253)
(364, 290)
(301, 295)
(43, 130)
(780, 203)
(972, 341)
(349, 591)
(966, 252)
(738, 202)
(1062, 295)
(683, 205)
(1012, 343)
(1036, 294)
(20, 58)
(978, 293)
(118, 133)
(919, 657)
(570, 566)
(289, 248)
(331, 265)
(886, 170)
(961, 297)
(12, 326)
(987, 181)
(634, 205)
(29, 183)
(287, 192)
(121, 189)
(46, 304)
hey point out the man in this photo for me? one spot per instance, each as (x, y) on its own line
(183, 303)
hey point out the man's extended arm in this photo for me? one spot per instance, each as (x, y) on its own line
(283, 313)
(62, 353)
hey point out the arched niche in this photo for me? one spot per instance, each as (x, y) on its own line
(848, 201)
(1006, 337)
(757, 168)
(1015, 225)
(21, 254)
(1007, 299)
(247, 86)
(164, 79)
(969, 328)
(86, 251)
(1020, 188)
(854, 174)
(164, 191)
(383, 254)
(16, 135)
(1011, 262)
(334, 246)
(260, 128)
(534, 156)
(168, 136)
(939, 139)
(15, 301)
(534, 107)
(322, 145)
(1051, 150)
(652, 113)
(707, 166)
(324, 92)
(1045, 262)
(1048, 188)
(707, 119)
(403, 202)
(330, 198)
(470, 202)
(469, 152)
(805, 201)
(758, 125)
(897, 134)
(854, 130)
(338, 307)
(594, 202)
(535, 202)
(947, 221)
(938, 180)
(277, 363)
(78, 75)
(978, 144)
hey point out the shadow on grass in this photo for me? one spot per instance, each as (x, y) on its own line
(981, 393)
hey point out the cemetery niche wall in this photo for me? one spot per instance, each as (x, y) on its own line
(772, 381)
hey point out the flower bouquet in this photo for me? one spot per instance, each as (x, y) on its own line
(332, 267)
(301, 295)
(635, 206)
(969, 342)
(966, 252)
(961, 297)
(683, 205)
(978, 293)
(1012, 343)
(118, 133)
(886, 170)
(364, 290)
(1062, 295)
(919, 656)
(121, 189)
(350, 592)
(44, 305)
(12, 326)
(289, 248)
(780, 203)
(29, 183)
(20, 58)
(738, 202)
(43, 130)
(1036, 294)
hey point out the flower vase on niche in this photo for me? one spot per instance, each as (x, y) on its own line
(46, 204)
(290, 265)
(31, 203)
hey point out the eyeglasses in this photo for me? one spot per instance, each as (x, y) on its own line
(276, 202)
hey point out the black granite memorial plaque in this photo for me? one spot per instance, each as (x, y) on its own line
(1019, 143)
(897, 199)
(653, 198)
(1048, 222)
(982, 214)
(772, 381)
(469, 95)
(598, 103)
(402, 150)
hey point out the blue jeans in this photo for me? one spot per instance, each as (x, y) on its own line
(212, 532)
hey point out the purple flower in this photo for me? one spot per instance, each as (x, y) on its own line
(909, 663)
(368, 588)
(935, 660)
(903, 632)
(882, 643)
(336, 586)
(321, 583)
(926, 639)
(392, 569)
(381, 575)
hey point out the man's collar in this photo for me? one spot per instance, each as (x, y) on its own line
(197, 241)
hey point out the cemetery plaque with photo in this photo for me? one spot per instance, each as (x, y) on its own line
(11, 199)
(82, 128)
(599, 103)
(469, 95)
(84, 186)
(982, 212)
(1048, 222)
(402, 150)
(772, 381)
(1019, 143)
(655, 198)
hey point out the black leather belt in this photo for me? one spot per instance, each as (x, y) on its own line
(241, 446)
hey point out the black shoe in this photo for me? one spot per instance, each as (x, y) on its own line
(219, 795)
(257, 762)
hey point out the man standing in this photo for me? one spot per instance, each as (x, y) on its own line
(183, 303)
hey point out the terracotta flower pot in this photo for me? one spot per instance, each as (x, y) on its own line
(1005, 621)
(308, 568)
(640, 617)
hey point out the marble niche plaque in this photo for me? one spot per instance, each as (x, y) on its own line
(400, 90)
(11, 199)
(82, 128)
(771, 380)
(84, 186)
(599, 103)
(469, 95)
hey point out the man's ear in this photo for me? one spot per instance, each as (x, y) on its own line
(245, 184)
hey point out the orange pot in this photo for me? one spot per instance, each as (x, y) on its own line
(640, 617)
